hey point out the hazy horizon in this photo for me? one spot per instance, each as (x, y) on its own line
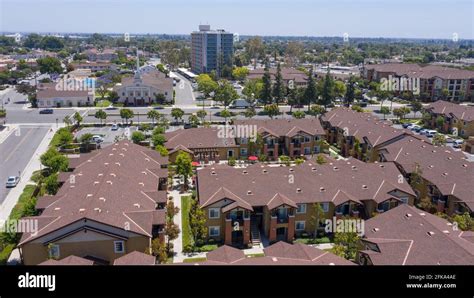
(438, 19)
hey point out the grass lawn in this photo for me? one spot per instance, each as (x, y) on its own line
(255, 255)
(185, 229)
(194, 260)
(103, 103)
(319, 240)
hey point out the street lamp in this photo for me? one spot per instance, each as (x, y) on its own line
(57, 122)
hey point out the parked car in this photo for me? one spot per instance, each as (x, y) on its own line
(458, 143)
(115, 127)
(187, 125)
(449, 139)
(46, 111)
(240, 104)
(431, 133)
(407, 125)
(423, 131)
(12, 181)
(158, 108)
(415, 127)
(97, 139)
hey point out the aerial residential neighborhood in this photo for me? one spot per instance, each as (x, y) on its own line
(181, 143)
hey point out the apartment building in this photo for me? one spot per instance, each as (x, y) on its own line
(434, 79)
(290, 137)
(406, 235)
(105, 55)
(458, 119)
(290, 76)
(211, 50)
(278, 202)
(94, 66)
(360, 135)
(446, 173)
(111, 203)
(280, 253)
(204, 144)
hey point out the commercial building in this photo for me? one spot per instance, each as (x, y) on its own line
(211, 50)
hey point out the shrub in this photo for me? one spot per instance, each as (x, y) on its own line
(232, 161)
(5, 253)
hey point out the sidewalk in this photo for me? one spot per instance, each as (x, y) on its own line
(179, 256)
(7, 131)
(33, 165)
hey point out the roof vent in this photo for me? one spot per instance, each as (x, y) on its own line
(445, 174)
(322, 189)
(431, 166)
(245, 172)
(82, 210)
(313, 169)
(109, 182)
(89, 195)
(147, 159)
(141, 183)
(98, 210)
(121, 154)
(136, 205)
(446, 231)
(375, 230)
(464, 165)
(213, 173)
(298, 190)
(408, 215)
(144, 172)
(332, 264)
(96, 182)
(249, 192)
(102, 199)
(422, 213)
(106, 163)
(364, 186)
(274, 259)
(57, 208)
(265, 171)
(117, 163)
(354, 168)
(335, 168)
(430, 233)
(111, 154)
(113, 175)
(100, 175)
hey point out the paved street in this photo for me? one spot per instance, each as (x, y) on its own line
(16, 151)
(184, 93)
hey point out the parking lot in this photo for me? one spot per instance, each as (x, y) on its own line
(107, 133)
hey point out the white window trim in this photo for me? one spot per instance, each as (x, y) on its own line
(115, 247)
(56, 247)
(218, 213)
(304, 212)
(300, 221)
(218, 231)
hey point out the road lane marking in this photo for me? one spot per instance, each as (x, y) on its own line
(18, 145)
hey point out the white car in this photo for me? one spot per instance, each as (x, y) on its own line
(12, 181)
(114, 127)
(458, 143)
(423, 131)
(97, 139)
(431, 133)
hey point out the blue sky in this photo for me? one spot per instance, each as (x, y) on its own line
(359, 18)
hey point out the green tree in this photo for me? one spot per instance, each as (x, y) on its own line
(51, 184)
(465, 221)
(384, 111)
(438, 140)
(159, 250)
(101, 115)
(225, 93)
(153, 115)
(316, 110)
(298, 114)
(240, 73)
(327, 90)
(401, 112)
(184, 167)
(416, 106)
(49, 65)
(86, 138)
(197, 221)
(226, 114)
(206, 84)
(278, 87)
(54, 161)
(158, 139)
(310, 94)
(347, 242)
(272, 110)
(177, 113)
(64, 137)
(350, 92)
(250, 113)
(126, 114)
(317, 218)
(162, 149)
(138, 136)
(194, 120)
(78, 118)
(320, 159)
(266, 92)
(171, 229)
(202, 115)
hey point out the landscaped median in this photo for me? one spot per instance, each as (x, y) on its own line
(24, 207)
(186, 229)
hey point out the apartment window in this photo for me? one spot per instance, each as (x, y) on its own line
(119, 247)
(301, 208)
(54, 251)
(300, 225)
(230, 153)
(404, 200)
(307, 150)
(307, 139)
(243, 151)
(214, 213)
(243, 141)
(325, 207)
(214, 231)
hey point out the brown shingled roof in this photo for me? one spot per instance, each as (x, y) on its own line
(135, 258)
(68, 261)
(110, 188)
(465, 113)
(406, 235)
(202, 137)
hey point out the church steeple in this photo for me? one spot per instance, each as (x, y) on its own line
(137, 77)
